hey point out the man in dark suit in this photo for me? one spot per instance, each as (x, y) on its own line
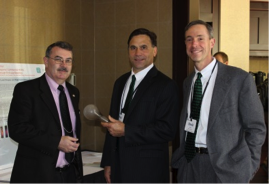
(36, 123)
(229, 130)
(136, 145)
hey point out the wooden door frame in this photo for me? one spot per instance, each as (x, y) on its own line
(180, 59)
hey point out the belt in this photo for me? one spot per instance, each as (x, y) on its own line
(201, 150)
(61, 169)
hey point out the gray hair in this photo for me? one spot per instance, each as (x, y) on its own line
(196, 22)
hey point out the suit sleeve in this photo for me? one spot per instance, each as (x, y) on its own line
(251, 112)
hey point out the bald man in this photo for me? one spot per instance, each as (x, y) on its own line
(222, 57)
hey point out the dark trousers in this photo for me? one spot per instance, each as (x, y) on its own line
(199, 170)
(66, 175)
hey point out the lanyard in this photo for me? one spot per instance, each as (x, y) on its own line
(205, 86)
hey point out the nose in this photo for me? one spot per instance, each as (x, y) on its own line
(138, 51)
(194, 43)
(63, 63)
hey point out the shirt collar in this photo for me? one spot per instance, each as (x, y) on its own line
(52, 84)
(206, 72)
(140, 75)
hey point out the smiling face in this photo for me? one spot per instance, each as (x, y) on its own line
(141, 52)
(199, 44)
(58, 72)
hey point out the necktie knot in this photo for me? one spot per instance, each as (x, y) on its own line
(61, 88)
(133, 78)
(199, 75)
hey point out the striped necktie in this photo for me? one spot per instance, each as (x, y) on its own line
(195, 114)
(129, 95)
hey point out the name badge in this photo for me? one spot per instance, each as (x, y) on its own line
(121, 117)
(190, 125)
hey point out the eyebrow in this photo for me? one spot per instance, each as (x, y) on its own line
(195, 36)
(138, 45)
(62, 57)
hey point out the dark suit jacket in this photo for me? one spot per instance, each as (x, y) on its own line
(34, 123)
(150, 123)
(236, 128)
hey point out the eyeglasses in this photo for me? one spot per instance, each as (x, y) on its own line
(60, 60)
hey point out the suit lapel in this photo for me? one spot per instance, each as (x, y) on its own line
(75, 100)
(141, 88)
(187, 88)
(73, 97)
(48, 99)
(187, 93)
(117, 95)
(220, 89)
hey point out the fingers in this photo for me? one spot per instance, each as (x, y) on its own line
(109, 124)
(107, 172)
(111, 119)
(114, 127)
(73, 139)
(106, 125)
(74, 147)
(68, 144)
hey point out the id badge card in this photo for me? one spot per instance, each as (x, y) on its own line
(121, 117)
(190, 125)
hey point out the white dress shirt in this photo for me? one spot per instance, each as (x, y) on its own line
(200, 140)
(139, 77)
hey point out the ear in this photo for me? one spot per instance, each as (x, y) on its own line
(155, 50)
(46, 61)
(212, 42)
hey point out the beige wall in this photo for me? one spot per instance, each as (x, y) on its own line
(234, 36)
(98, 30)
(234, 31)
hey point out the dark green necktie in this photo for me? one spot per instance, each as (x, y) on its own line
(129, 95)
(67, 125)
(195, 114)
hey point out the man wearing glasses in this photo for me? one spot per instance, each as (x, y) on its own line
(44, 119)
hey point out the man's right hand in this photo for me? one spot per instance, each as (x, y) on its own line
(68, 144)
(107, 173)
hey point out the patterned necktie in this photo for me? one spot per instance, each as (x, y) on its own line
(195, 114)
(129, 95)
(67, 125)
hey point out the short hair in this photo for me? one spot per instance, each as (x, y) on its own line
(143, 31)
(61, 44)
(197, 22)
(223, 55)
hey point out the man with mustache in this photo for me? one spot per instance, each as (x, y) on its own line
(48, 135)
(143, 118)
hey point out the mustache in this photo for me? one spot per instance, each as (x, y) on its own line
(62, 69)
